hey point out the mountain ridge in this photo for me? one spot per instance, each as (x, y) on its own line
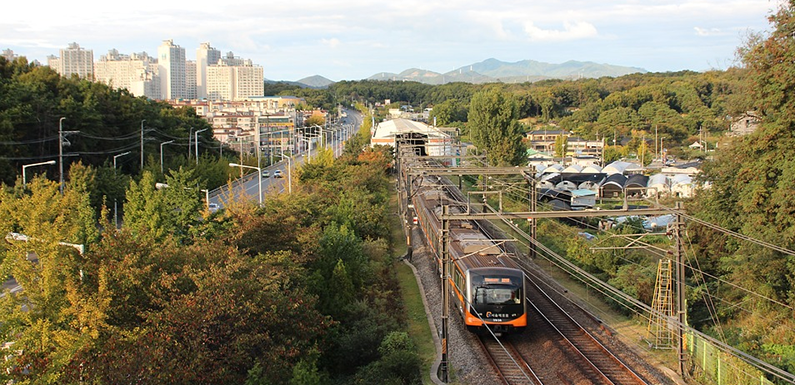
(493, 70)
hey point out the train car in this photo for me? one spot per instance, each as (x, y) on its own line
(487, 284)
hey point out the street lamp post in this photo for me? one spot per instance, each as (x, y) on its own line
(115, 203)
(24, 166)
(206, 198)
(309, 146)
(333, 149)
(197, 144)
(289, 173)
(60, 152)
(116, 157)
(259, 177)
(161, 153)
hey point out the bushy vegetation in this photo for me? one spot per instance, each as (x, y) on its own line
(299, 291)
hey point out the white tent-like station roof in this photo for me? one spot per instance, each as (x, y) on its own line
(390, 128)
(436, 142)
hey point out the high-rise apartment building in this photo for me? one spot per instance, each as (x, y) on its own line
(231, 60)
(171, 70)
(190, 80)
(205, 56)
(234, 82)
(133, 72)
(250, 81)
(220, 79)
(54, 62)
(76, 60)
(9, 54)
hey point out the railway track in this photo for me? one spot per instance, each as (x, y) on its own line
(595, 361)
(507, 362)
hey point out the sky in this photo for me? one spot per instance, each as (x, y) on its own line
(355, 39)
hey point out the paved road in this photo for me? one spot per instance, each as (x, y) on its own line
(247, 185)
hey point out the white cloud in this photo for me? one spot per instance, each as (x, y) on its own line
(708, 31)
(332, 43)
(571, 31)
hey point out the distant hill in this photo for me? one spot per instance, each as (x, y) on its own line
(316, 81)
(493, 70)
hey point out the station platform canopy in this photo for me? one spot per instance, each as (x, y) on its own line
(427, 140)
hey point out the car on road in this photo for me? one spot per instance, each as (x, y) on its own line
(213, 207)
(277, 174)
(266, 174)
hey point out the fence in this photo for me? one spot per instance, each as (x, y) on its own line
(712, 366)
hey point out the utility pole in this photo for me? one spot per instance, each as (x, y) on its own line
(61, 137)
(142, 144)
(445, 251)
(681, 305)
(533, 208)
(190, 138)
(656, 154)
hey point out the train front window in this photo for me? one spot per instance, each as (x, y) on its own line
(498, 295)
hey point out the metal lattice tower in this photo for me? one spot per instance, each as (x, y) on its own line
(660, 330)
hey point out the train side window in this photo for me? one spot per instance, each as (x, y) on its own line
(459, 281)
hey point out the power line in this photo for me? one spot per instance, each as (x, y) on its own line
(738, 235)
(32, 141)
(129, 137)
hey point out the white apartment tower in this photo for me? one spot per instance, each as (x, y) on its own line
(190, 80)
(133, 72)
(54, 62)
(220, 79)
(9, 54)
(234, 82)
(250, 81)
(205, 56)
(171, 70)
(231, 60)
(76, 60)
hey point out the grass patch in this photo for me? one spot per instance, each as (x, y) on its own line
(418, 328)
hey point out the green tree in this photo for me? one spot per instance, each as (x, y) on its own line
(315, 120)
(448, 112)
(561, 146)
(752, 183)
(52, 317)
(170, 210)
(494, 127)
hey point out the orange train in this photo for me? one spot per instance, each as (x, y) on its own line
(487, 284)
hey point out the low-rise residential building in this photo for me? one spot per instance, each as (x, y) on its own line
(544, 140)
(744, 124)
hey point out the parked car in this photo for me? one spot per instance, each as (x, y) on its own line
(277, 174)
(266, 174)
